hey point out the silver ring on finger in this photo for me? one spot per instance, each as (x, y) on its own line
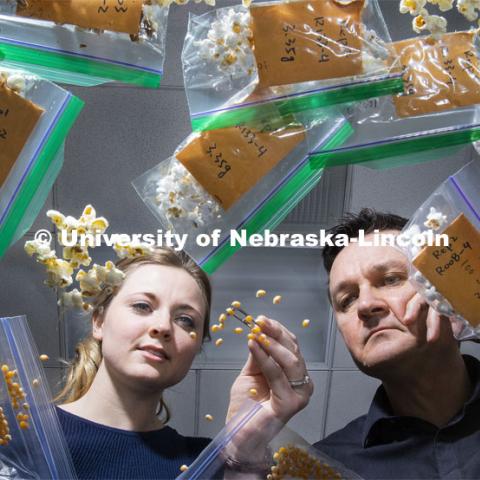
(300, 383)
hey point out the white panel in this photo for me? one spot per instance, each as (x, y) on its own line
(214, 397)
(309, 422)
(294, 273)
(342, 357)
(350, 396)
(181, 400)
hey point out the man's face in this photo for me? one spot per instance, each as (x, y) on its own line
(370, 290)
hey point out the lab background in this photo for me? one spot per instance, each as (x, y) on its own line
(124, 131)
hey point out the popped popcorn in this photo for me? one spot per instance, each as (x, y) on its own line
(228, 44)
(413, 7)
(182, 200)
(16, 81)
(435, 219)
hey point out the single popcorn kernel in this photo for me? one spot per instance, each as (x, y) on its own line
(218, 342)
(238, 330)
(253, 392)
(35, 382)
(183, 468)
(193, 335)
(222, 318)
(305, 323)
(208, 417)
(236, 304)
(44, 357)
(277, 299)
(214, 328)
(249, 319)
(260, 293)
(251, 336)
(256, 329)
(230, 311)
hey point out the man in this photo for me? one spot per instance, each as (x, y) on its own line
(424, 420)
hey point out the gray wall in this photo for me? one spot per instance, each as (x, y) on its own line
(125, 130)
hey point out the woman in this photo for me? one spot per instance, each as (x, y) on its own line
(145, 336)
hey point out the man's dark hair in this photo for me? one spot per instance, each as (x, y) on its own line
(367, 220)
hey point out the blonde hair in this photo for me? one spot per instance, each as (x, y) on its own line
(88, 353)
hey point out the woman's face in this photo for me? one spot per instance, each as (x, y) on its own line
(146, 330)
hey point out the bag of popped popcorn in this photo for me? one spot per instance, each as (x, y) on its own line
(448, 276)
(437, 109)
(86, 42)
(32, 445)
(296, 55)
(252, 445)
(35, 118)
(238, 180)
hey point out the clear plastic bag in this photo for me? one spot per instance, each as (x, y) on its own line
(32, 158)
(243, 189)
(90, 52)
(253, 445)
(297, 55)
(437, 110)
(32, 446)
(449, 276)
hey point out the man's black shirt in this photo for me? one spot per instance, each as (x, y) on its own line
(380, 445)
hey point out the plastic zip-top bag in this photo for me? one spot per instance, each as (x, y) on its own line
(244, 179)
(448, 276)
(86, 42)
(35, 118)
(297, 55)
(438, 108)
(32, 445)
(254, 445)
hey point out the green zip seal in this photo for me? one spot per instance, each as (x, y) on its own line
(47, 155)
(300, 103)
(280, 204)
(65, 68)
(388, 151)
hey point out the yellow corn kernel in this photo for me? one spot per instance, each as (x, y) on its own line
(44, 357)
(214, 328)
(236, 304)
(218, 342)
(260, 322)
(262, 337)
(251, 336)
(253, 392)
(183, 468)
(256, 329)
(238, 330)
(260, 293)
(193, 335)
(222, 318)
(277, 299)
(5, 368)
(249, 319)
(305, 323)
(208, 417)
(230, 311)
(24, 425)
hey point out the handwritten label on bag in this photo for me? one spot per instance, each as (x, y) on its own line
(18, 118)
(115, 15)
(455, 270)
(228, 162)
(306, 40)
(439, 75)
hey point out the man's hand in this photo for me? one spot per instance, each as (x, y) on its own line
(418, 312)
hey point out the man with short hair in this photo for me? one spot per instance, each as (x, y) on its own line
(424, 420)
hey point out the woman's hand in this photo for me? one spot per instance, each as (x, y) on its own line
(277, 371)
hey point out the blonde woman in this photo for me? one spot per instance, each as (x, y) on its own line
(145, 335)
